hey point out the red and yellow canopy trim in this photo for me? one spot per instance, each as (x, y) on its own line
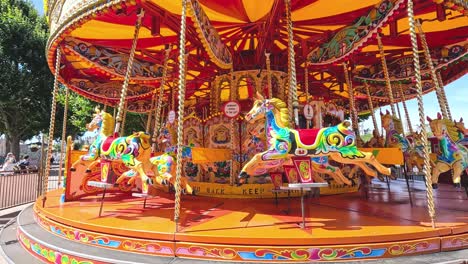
(352, 38)
(209, 36)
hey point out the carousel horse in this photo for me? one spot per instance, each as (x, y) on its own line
(376, 141)
(165, 163)
(134, 151)
(319, 164)
(393, 128)
(414, 156)
(462, 132)
(337, 142)
(452, 155)
(412, 150)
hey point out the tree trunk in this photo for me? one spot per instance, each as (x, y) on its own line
(7, 144)
(15, 146)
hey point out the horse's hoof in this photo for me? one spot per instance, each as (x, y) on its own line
(72, 169)
(435, 186)
(241, 181)
(88, 171)
(457, 185)
(193, 193)
(243, 175)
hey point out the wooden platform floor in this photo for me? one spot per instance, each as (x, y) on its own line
(332, 220)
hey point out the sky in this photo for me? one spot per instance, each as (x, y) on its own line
(457, 97)
(39, 4)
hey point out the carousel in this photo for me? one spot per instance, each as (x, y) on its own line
(252, 149)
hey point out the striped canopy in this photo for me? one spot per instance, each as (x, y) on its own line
(95, 38)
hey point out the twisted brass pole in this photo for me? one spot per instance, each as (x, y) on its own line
(417, 68)
(123, 93)
(180, 117)
(268, 65)
(232, 124)
(292, 98)
(124, 119)
(64, 132)
(160, 100)
(353, 111)
(444, 96)
(427, 55)
(371, 105)
(150, 114)
(50, 142)
(386, 74)
(306, 87)
(399, 116)
(403, 100)
(306, 81)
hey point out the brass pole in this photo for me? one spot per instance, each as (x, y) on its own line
(353, 110)
(386, 74)
(306, 88)
(157, 116)
(417, 68)
(292, 98)
(435, 80)
(50, 142)
(268, 65)
(371, 105)
(64, 131)
(403, 100)
(123, 93)
(180, 117)
(444, 96)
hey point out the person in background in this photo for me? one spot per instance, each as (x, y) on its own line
(24, 163)
(10, 161)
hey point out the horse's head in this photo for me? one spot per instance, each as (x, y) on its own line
(460, 125)
(386, 120)
(260, 107)
(164, 136)
(437, 126)
(96, 123)
(417, 139)
(144, 139)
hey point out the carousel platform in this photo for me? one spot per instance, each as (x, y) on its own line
(338, 228)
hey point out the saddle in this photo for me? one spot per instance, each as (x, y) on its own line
(308, 136)
(108, 142)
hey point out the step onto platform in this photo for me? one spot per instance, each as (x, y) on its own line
(22, 240)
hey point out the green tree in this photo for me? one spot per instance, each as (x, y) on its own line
(80, 112)
(25, 80)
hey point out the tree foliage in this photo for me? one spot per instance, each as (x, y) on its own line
(80, 112)
(25, 80)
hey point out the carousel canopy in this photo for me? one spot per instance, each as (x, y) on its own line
(95, 38)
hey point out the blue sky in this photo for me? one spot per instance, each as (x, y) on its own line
(39, 4)
(457, 96)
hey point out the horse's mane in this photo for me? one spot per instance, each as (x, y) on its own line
(107, 124)
(452, 130)
(397, 124)
(283, 110)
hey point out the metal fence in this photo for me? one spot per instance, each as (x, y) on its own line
(22, 187)
(18, 188)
